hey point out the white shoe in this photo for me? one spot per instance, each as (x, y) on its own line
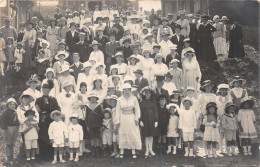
(186, 152)
(113, 154)
(33, 158)
(152, 153)
(62, 161)
(28, 159)
(54, 162)
(71, 159)
(174, 150)
(76, 159)
(87, 151)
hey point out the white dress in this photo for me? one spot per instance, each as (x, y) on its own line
(101, 94)
(122, 68)
(219, 39)
(131, 69)
(148, 70)
(169, 86)
(160, 69)
(165, 48)
(88, 79)
(127, 112)
(98, 56)
(173, 126)
(204, 99)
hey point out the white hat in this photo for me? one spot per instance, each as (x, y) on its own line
(87, 20)
(11, 100)
(128, 78)
(215, 18)
(173, 47)
(190, 88)
(74, 116)
(66, 83)
(148, 35)
(93, 95)
(187, 99)
(49, 70)
(66, 55)
(112, 97)
(127, 86)
(174, 61)
(45, 41)
(101, 64)
(172, 105)
(86, 64)
(120, 54)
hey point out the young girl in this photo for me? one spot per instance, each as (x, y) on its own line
(94, 119)
(172, 133)
(85, 76)
(58, 134)
(147, 65)
(246, 119)
(222, 99)
(237, 92)
(50, 79)
(10, 124)
(18, 55)
(159, 68)
(30, 131)
(149, 118)
(132, 65)
(168, 84)
(187, 124)
(100, 68)
(211, 135)
(99, 89)
(163, 119)
(122, 67)
(229, 124)
(107, 128)
(75, 136)
(2, 54)
(176, 73)
(96, 54)
(176, 97)
(9, 52)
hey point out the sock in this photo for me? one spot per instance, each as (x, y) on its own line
(60, 157)
(55, 157)
(71, 155)
(77, 155)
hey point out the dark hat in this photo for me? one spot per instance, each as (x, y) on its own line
(211, 104)
(160, 78)
(29, 112)
(139, 71)
(112, 33)
(72, 24)
(249, 100)
(99, 18)
(206, 17)
(229, 104)
(126, 40)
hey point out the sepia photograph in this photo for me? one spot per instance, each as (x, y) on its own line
(129, 83)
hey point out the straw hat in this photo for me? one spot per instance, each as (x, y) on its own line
(66, 84)
(56, 112)
(133, 57)
(93, 95)
(229, 104)
(206, 83)
(172, 105)
(50, 70)
(186, 40)
(222, 86)
(215, 18)
(33, 78)
(86, 64)
(173, 47)
(224, 18)
(95, 43)
(112, 97)
(158, 55)
(174, 61)
(46, 42)
(190, 88)
(181, 12)
(66, 55)
(146, 89)
(237, 79)
(249, 100)
(129, 78)
(126, 86)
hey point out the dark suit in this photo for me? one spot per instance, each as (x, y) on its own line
(110, 50)
(76, 70)
(193, 36)
(84, 51)
(103, 41)
(177, 42)
(163, 92)
(120, 32)
(143, 83)
(71, 43)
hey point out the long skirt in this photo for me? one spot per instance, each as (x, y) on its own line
(220, 46)
(129, 134)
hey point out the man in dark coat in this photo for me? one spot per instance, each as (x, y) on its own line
(45, 105)
(177, 39)
(140, 81)
(118, 28)
(102, 39)
(194, 33)
(127, 50)
(159, 90)
(76, 66)
(83, 48)
(207, 51)
(72, 37)
(236, 47)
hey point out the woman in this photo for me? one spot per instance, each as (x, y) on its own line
(53, 83)
(219, 39)
(127, 116)
(60, 62)
(98, 89)
(147, 65)
(29, 38)
(132, 65)
(63, 29)
(33, 83)
(52, 35)
(191, 71)
(149, 119)
(85, 76)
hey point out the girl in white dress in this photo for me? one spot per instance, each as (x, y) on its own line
(52, 35)
(60, 63)
(114, 72)
(237, 92)
(98, 89)
(96, 54)
(147, 65)
(85, 76)
(100, 68)
(122, 67)
(159, 69)
(191, 71)
(50, 77)
(132, 65)
(176, 73)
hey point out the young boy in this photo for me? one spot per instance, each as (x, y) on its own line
(30, 131)
(107, 127)
(10, 125)
(76, 66)
(165, 44)
(75, 133)
(18, 55)
(187, 124)
(58, 134)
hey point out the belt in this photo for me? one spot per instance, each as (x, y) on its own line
(127, 112)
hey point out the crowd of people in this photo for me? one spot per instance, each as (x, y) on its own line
(105, 81)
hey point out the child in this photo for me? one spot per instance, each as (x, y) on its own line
(229, 124)
(172, 133)
(156, 49)
(18, 54)
(96, 54)
(75, 133)
(163, 119)
(187, 124)
(176, 97)
(176, 73)
(30, 131)
(246, 120)
(58, 134)
(237, 92)
(121, 66)
(159, 68)
(10, 124)
(9, 52)
(2, 54)
(132, 65)
(222, 99)
(107, 127)
(211, 134)
(168, 84)
(94, 119)
(165, 44)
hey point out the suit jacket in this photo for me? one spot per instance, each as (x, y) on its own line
(76, 70)
(179, 43)
(120, 33)
(84, 51)
(163, 92)
(71, 41)
(143, 83)
(111, 50)
(103, 41)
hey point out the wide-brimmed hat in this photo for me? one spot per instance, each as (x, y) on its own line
(197, 16)
(139, 71)
(93, 95)
(128, 78)
(86, 64)
(74, 116)
(224, 18)
(33, 78)
(189, 52)
(237, 79)
(56, 112)
(46, 42)
(65, 53)
(133, 57)
(206, 83)
(148, 35)
(50, 70)
(52, 19)
(95, 43)
(66, 83)
(211, 104)
(187, 99)
(25, 93)
(118, 54)
(11, 100)
(112, 97)
(172, 105)
(174, 61)
(215, 18)
(190, 15)
(82, 34)
(249, 100)
(158, 55)
(191, 88)
(186, 40)
(181, 12)
(67, 10)
(229, 104)
(100, 64)
(126, 86)
(146, 89)
(222, 86)
(29, 112)
(127, 40)
(113, 67)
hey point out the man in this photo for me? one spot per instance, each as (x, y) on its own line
(57, 15)
(76, 66)
(102, 39)
(72, 37)
(185, 31)
(177, 39)
(8, 31)
(140, 81)
(119, 30)
(159, 90)
(83, 48)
